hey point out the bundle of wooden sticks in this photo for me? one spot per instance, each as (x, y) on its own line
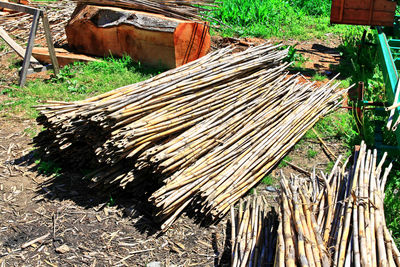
(204, 133)
(325, 220)
(254, 232)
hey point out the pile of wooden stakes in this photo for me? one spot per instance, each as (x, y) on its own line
(325, 220)
(206, 132)
(254, 233)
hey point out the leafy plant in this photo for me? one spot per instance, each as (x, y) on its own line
(48, 167)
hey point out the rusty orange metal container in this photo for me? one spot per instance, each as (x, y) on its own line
(363, 12)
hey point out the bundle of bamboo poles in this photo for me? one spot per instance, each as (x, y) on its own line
(332, 220)
(338, 220)
(181, 9)
(254, 230)
(206, 132)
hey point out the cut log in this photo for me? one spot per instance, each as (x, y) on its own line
(151, 39)
(64, 57)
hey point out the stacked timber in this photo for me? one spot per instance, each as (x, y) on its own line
(206, 132)
(325, 220)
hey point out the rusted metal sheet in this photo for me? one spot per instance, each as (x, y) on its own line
(363, 12)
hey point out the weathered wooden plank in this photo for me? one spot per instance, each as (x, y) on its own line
(64, 57)
(50, 44)
(16, 47)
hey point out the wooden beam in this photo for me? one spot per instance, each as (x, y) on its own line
(28, 52)
(16, 47)
(50, 44)
(64, 57)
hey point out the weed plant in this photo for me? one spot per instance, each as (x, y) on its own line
(300, 19)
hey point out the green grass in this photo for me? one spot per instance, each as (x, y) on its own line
(329, 166)
(297, 19)
(311, 153)
(75, 82)
(48, 168)
(268, 180)
(338, 125)
(319, 77)
(392, 204)
(283, 163)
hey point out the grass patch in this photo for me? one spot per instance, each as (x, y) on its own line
(329, 166)
(392, 204)
(75, 82)
(268, 180)
(48, 168)
(319, 77)
(338, 125)
(311, 153)
(283, 163)
(283, 19)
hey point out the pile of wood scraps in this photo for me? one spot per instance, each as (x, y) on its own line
(180, 9)
(324, 220)
(204, 133)
(18, 24)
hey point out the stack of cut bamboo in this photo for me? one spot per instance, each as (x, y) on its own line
(340, 215)
(207, 131)
(254, 230)
(330, 220)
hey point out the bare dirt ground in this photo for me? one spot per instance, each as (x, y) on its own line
(58, 221)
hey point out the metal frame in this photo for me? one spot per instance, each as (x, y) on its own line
(386, 49)
(37, 14)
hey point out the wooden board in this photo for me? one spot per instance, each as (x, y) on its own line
(64, 57)
(16, 47)
(152, 39)
(363, 12)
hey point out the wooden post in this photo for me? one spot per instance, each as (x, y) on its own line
(28, 52)
(50, 44)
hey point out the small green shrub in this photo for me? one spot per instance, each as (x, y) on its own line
(311, 153)
(48, 167)
(268, 180)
